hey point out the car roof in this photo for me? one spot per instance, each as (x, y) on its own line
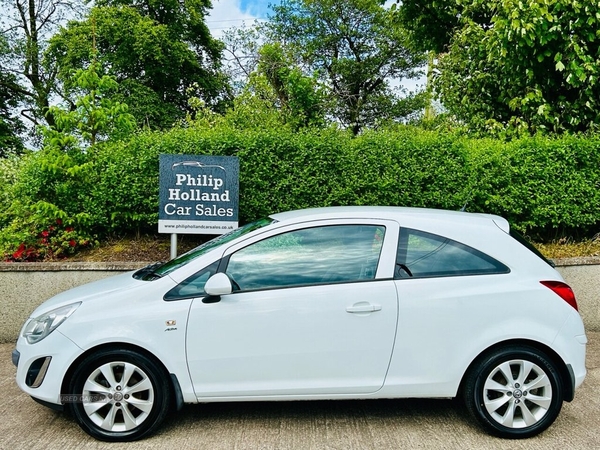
(388, 212)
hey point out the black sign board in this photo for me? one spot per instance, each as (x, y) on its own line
(198, 194)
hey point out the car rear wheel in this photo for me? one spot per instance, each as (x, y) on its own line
(514, 392)
(120, 395)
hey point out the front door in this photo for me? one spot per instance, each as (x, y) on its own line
(314, 312)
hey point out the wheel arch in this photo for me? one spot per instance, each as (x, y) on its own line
(177, 395)
(565, 372)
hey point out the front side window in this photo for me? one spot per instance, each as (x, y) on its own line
(319, 255)
(193, 286)
(422, 255)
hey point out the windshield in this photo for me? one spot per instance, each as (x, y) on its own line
(159, 271)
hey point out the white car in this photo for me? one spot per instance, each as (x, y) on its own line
(330, 303)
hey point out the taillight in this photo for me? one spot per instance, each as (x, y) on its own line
(563, 291)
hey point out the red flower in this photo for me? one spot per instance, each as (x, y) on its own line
(72, 243)
(19, 253)
(69, 229)
(59, 221)
(45, 233)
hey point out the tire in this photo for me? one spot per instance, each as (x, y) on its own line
(121, 395)
(514, 392)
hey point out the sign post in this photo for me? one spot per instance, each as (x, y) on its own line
(197, 195)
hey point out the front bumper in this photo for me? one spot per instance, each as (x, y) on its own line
(59, 352)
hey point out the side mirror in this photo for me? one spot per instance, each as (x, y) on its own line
(217, 285)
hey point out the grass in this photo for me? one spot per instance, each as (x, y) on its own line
(565, 248)
(140, 248)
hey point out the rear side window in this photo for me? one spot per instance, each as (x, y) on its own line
(424, 255)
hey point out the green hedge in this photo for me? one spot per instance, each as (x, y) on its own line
(550, 187)
(281, 170)
(544, 186)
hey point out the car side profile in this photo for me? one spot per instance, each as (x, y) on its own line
(324, 303)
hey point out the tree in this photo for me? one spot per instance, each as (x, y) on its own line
(535, 67)
(26, 24)
(241, 53)
(356, 48)
(93, 115)
(156, 50)
(430, 23)
(299, 98)
(184, 20)
(10, 126)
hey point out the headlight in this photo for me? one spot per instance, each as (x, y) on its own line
(41, 326)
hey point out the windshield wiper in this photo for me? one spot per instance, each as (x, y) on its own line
(149, 273)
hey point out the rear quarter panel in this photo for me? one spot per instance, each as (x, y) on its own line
(445, 323)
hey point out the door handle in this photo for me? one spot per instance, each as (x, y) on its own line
(363, 307)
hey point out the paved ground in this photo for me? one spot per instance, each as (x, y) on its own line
(343, 425)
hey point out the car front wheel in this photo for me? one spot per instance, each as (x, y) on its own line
(120, 395)
(515, 392)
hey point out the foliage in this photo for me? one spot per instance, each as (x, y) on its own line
(53, 183)
(240, 53)
(10, 126)
(280, 169)
(532, 68)
(10, 167)
(271, 88)
(356, 48)
(55, 241)
(544, 186)
(541, 185)
(431, 23)
(94, 115)
(547, 187)
(156, 50)
(299, 98)
(185, 21)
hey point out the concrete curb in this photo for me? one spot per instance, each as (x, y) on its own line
(118, 266)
